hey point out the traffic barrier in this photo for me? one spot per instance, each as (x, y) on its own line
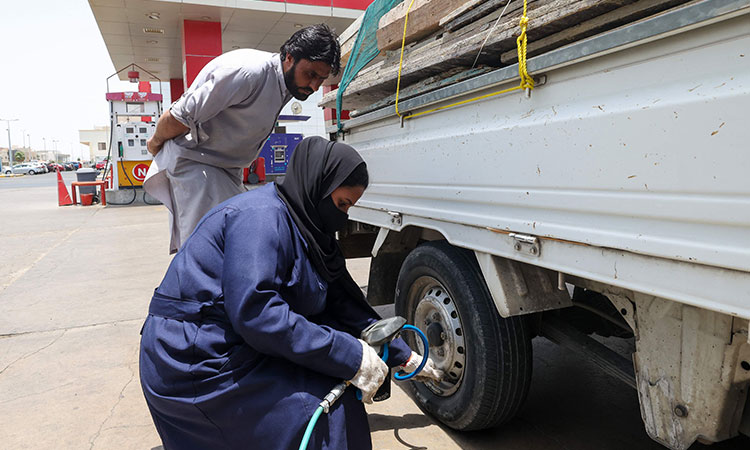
(63, 197)
(100, 183)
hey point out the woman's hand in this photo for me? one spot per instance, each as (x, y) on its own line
(429, 372)
(371, 374)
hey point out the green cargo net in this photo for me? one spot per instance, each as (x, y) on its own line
(365, 48)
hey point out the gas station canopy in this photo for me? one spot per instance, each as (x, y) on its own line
(151, 33)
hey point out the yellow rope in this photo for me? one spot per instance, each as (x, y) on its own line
(526, 81)
(401, 62)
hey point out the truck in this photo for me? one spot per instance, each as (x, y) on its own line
(613, 199)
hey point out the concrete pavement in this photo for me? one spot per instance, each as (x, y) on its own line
(75, 283)
(74, 288)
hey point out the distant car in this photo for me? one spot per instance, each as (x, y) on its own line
(101, 165)
(7, 169)
(68, 166)
(38, 164)
(27, 168)
(42, 166)
(76, 165)
(55, 167)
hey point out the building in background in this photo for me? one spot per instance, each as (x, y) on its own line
(315, 126)
(43, 155)
(96, 140)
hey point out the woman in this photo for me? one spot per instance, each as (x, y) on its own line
(257, 318)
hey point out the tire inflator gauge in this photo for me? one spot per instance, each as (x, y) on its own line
(378, 335)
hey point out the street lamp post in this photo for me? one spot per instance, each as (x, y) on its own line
(54, 143)
(10, 154)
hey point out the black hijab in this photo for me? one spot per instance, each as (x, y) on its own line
(317, 167)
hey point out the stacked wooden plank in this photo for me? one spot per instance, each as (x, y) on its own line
(424, 19)
(450, 40)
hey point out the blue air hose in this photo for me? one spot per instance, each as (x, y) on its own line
(426, 355)
(310, 426)
(398, 376)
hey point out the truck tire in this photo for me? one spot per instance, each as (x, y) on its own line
(487, 359)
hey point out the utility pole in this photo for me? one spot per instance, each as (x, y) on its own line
(10, 153)
(54, 142)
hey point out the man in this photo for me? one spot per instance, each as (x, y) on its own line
(220, 124)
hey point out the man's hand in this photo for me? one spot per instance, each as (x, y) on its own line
(154, 146)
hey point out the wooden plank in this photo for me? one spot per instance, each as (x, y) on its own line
(456, 13)
(481, 11)
(621, 16)
(355, 101)
(461, 48)
(424, 19)
(347, 39)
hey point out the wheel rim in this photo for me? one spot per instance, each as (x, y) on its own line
(437, 316)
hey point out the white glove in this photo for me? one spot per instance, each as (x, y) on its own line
(429, 372)
(371, 374)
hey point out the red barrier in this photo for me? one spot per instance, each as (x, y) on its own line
(260, 169)
(63, 197)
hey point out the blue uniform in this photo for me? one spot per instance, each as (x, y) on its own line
(244, 338)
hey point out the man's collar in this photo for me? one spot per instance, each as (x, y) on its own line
(280, 75)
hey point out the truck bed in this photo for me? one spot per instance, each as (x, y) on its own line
(630, 162)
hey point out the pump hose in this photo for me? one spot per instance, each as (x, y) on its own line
(426, 355)
(310, 426)
(398, 376)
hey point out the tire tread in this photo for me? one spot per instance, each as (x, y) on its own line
(509, 363)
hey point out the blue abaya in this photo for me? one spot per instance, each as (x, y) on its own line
(244, 338)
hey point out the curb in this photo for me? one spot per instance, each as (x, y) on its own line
(2, 175)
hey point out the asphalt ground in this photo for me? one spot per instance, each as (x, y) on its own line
(75, 283)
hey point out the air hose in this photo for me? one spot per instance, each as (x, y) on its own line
(339, 389)
(426, 355)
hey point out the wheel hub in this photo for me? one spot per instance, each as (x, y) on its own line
(435, 334)
(436, 314)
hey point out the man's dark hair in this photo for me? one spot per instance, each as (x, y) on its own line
(358, 177)
(315, 43)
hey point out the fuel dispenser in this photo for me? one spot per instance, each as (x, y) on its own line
(132, 121)
(278, 148)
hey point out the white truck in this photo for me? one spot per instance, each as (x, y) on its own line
(619, 187)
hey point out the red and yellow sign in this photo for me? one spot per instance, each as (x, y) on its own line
(131, 173)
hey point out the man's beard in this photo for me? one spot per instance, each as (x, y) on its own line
(293, 88)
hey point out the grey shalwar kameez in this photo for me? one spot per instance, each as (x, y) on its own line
(230, 109)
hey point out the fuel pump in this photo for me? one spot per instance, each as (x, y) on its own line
(132, 121)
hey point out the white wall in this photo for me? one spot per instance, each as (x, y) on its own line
(93, 137)
(315, 126)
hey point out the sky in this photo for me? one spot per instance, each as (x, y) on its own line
(52, 73)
